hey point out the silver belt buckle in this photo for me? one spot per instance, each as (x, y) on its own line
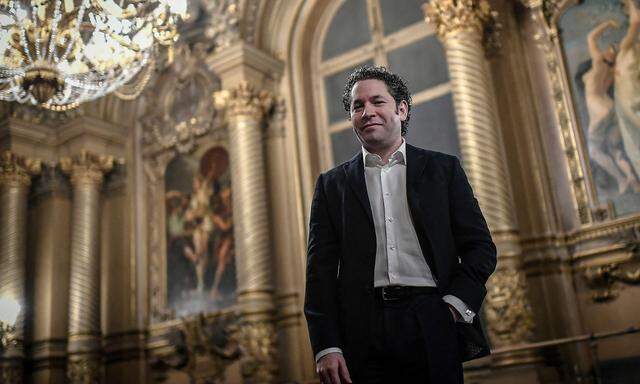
(384, 295)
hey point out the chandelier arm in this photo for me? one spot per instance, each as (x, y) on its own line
(23, 35)
(81, 11)
(54, 31)
(131, 91)
(36, 35)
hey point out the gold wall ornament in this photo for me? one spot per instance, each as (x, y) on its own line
(17, 170)
(602, 280)
(244, 100)
(86, 167)
(202, 346)
(258, 343)
(471, 16)
(508, 311)
(178, 110)
(223, 24)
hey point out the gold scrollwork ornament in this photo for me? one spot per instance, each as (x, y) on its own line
(454, 16)
(602, 280)
(508, 312)
(16, 169)
(86, 167)
(257, 340)
(244, 100)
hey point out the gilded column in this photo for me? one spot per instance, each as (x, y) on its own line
(15, 179)
(84, 345)
(245, 109)
(467, 29)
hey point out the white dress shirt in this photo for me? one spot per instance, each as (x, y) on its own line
(399, 258)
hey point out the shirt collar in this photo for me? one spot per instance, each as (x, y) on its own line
(398, 157)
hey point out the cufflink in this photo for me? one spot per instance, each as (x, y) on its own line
(468, 312)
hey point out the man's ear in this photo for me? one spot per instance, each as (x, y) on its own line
(402, 110)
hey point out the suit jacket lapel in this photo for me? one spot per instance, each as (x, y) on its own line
(354, 171)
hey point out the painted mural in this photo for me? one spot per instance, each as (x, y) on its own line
(199, 227)
(602, 51)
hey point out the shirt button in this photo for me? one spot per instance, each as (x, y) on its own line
(392, 248)
(390, 219)
(387, 194)
(392, 275)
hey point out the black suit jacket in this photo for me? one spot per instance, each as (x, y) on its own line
(341, 253)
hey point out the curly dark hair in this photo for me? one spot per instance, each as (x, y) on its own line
(395, 85)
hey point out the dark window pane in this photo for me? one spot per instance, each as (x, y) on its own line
(345, 145)
(433, 126)
(348, 29)
(334, 85)
(399, 14)
(423, 64)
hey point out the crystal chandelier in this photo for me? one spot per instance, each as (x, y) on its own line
(60, 53)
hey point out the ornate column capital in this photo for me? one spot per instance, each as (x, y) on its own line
(451, 17)
(16, 170)
(244, 100)
(86, 168)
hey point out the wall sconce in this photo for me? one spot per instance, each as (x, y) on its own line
(9, 310)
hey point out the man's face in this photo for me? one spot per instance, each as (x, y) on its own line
(375, 117)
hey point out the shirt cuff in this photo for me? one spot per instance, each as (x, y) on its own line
(327, 351)
(466, 314)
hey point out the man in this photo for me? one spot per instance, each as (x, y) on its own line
(398, 252)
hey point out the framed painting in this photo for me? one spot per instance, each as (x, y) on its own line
(200, 267)
(600, 43)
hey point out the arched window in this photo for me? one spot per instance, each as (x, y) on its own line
(390, 33)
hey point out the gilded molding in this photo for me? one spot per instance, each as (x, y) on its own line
(547, 41)
(244, 100)
(16, 170)
(258, 341)
(86, 168)
(474, 18)
(507, 308)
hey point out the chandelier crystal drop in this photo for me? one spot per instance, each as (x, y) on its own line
(60, 53)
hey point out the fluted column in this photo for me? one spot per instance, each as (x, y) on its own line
(86, 172)
(466, 29)
(245, 108)
(15, 179)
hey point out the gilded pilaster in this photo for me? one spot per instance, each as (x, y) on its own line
(86, 173)
(245, 109)
(465, 28)
(15, 179)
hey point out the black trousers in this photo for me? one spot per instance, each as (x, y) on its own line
(413, 341)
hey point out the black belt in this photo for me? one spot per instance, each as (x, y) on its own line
(397, 292)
